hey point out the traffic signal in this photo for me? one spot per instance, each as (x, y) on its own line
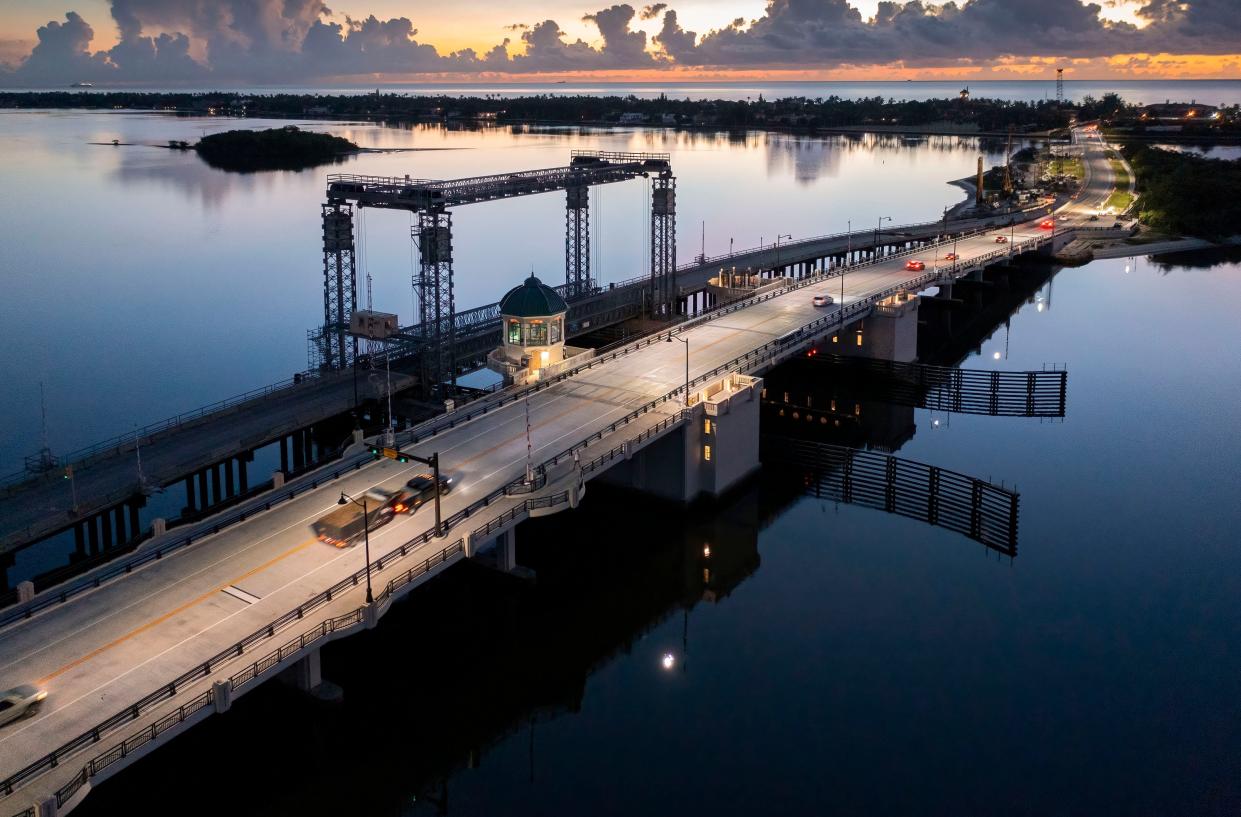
(376, 451)
(401, 457)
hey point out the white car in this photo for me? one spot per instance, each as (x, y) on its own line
(823, 300)
(20, 701)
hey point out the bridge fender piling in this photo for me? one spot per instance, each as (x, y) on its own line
(25, 591)
(46, 807)
(277, 480)
(370, 615)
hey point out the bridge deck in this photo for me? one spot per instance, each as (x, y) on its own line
(105, 649)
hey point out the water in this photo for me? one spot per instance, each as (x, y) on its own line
(1142, 92)
(149, 284)
(836, 659)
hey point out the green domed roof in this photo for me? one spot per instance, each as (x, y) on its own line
(533, 299)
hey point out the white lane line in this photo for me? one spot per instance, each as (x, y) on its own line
(169, 649)
(239, 594)
(232, 555)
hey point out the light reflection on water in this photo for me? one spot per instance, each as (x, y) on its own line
(154, 284)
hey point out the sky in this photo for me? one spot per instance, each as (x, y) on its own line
(191, 42)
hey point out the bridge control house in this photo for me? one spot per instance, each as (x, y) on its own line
(533, 320)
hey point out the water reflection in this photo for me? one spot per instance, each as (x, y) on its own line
(469, 662)
(235, 261)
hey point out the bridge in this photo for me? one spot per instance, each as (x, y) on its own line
(146, 647)
(204, 455)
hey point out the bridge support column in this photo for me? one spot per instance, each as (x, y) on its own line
(105, 529)
(708, 455)
(222, 696)
(297, 443)
(216, 494)
(190, 505)
(230, 487)
(284, 454)
(118, 515)
(506, 550)
(203, 502)
(243, 481)
(135, 524)
(92, 531)
(79, 539)
(663, 244)
(436, 306)
(7, 560)
(337, 348)
(306, 674)
(577, 241)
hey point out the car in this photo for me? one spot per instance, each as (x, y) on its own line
(822, 300)
(1001, 239)
(952, 256)
(1094, 217)
(421, 490)
(914, 265)
(1047, 224)
(20, 702)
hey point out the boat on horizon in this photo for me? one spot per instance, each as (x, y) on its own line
(82, 85)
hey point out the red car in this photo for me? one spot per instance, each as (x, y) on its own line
(1048, 224)
(952, 256)
(915, 266)
(1001, 239)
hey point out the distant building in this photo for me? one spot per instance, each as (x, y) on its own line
(1178, 112)
(632, 118)
(965, 94)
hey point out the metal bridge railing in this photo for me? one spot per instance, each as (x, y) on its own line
(769, 352)
(289, 648)
(976, 508)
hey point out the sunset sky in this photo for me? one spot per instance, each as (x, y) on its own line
(50, 42)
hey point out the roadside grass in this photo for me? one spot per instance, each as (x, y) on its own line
(1071, 166)
(1121, 198)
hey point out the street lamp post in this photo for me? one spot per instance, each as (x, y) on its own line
(878, 228)
(686, 342)
(778, 237)
(848, 260)
(366, 533)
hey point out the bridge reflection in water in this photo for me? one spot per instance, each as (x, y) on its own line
(970, 506)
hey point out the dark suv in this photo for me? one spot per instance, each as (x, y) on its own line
(422, 489)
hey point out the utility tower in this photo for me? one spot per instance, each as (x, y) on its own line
(1060, 87)
(1008, 163)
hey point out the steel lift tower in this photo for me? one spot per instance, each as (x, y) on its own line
(334, 348)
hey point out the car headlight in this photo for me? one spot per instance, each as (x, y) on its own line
(40, 695)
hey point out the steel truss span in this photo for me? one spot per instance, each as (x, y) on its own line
(430, 198)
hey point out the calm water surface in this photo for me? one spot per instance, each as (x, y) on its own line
(150, 284)
(834, 660)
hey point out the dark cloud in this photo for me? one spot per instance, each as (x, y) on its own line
(267, 41)
(622, 47)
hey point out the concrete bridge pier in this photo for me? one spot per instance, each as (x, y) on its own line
(707, 456)
(306, 674)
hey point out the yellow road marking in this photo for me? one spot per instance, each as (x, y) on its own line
(156, 622)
